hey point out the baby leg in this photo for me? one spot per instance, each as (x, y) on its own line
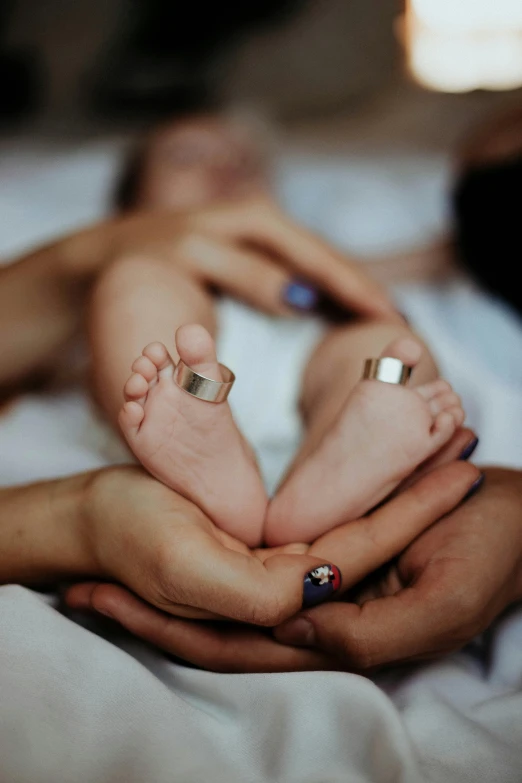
(363, 437)
(138, 300)
(191, 445)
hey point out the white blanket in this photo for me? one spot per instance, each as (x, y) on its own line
(81, 702)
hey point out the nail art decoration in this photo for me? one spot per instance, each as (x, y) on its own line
(320, 584)
(300, 296)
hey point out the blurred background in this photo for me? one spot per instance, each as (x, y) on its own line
(90, 64)
(405, 80)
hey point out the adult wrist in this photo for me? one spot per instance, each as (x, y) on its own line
(82, 557)
(42, 532)
(102, 516)
(69, 552)
(93, 519)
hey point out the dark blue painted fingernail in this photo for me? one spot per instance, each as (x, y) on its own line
(300, 296)
(470, 448)
(320, 584)
(474, 487)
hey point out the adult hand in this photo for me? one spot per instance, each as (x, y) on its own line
(250, 250)
(160, 545)
(446, 588)
(357, 548)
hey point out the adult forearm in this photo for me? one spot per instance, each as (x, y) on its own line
(41, 307)
(42, 532)
(43, 296)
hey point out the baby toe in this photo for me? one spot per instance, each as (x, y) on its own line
(131, 416)
(146, 367)
(197, 349)
(443, 401)
(443, 429)
(458, 414)
(157, 353)
(136, 387)
(405, 349)
(430, 390)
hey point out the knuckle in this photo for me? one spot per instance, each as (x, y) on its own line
(166, 580)
(355, 644)
(267, 611)
(356, 651)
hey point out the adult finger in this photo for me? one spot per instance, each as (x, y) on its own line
(416, 623)
(216, 646)
(261, 222)
(194, 567)
(246, 274)
(387, 630)
(365, 544)
(203, 574)
(461, 446)
(93, 596)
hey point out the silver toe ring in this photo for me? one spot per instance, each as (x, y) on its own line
(202, 387)
(387, 370)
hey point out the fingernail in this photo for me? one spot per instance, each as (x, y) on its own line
(105, 613)
(470, 448)
(320, 584)
(299, 632)
(300, 296)
(474, 487)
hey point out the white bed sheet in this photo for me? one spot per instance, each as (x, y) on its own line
(81, 703)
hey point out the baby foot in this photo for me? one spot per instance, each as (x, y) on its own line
(189, 444)
(383, 433)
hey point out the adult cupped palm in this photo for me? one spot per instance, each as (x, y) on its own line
(190, 569)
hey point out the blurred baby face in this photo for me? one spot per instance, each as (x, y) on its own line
(194, 162)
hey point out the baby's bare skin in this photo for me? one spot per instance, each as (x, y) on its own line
(194, 446)
(191, 445)
(382, 434)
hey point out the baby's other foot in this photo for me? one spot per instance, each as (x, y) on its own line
(382, 434)
(189, 444)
